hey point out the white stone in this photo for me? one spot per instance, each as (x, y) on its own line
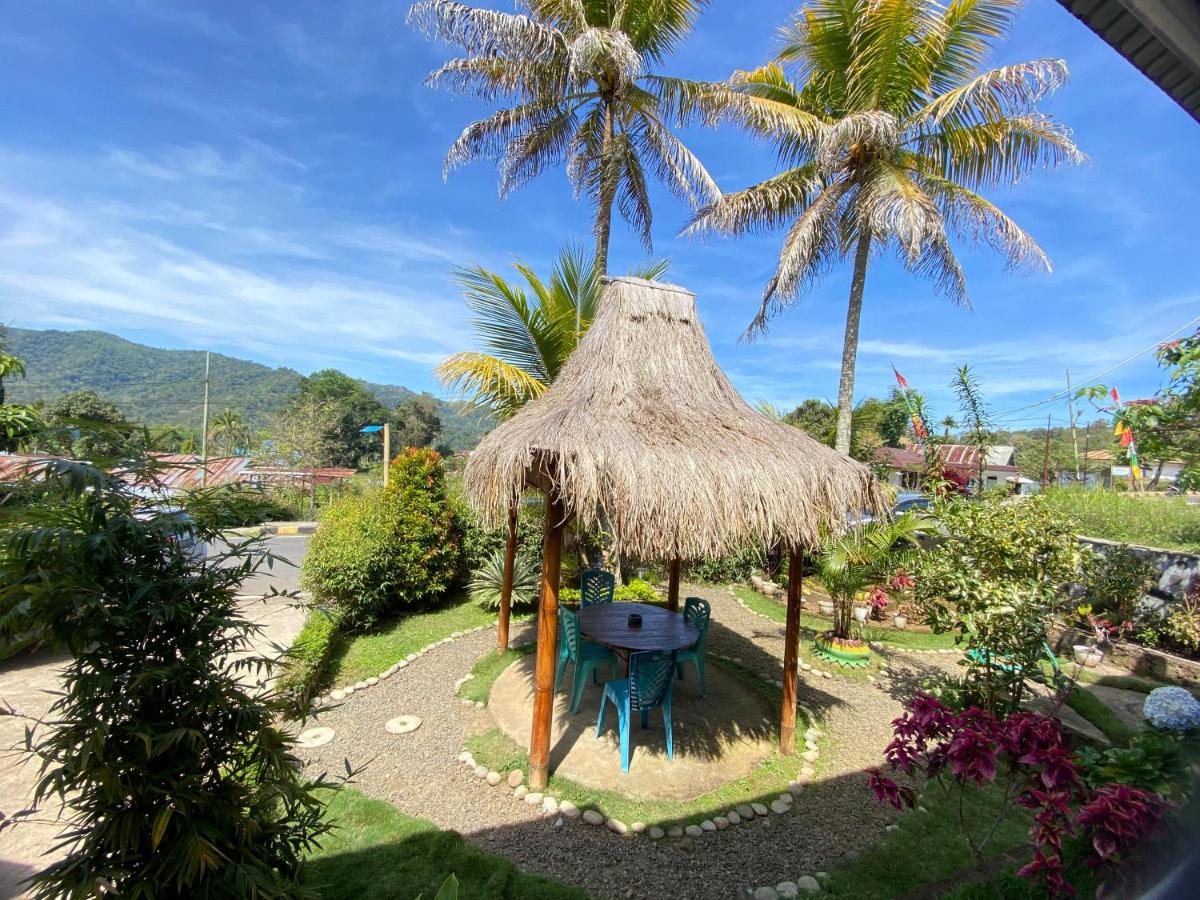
(549, 806)
(314, 737)
(733, 818)
(808, 771)
(456, 634)
(786, 798)
(810, 756)
(592, 817)
(402, 664)
(534, 798)
(779, 807)
(515, 777)
(721, 822)
(765, 893)
(806, 667)
(825, 674)
(795, 788)
(338, 695)
(808, 884)
(479, 704)
(481, 771)
(675, 831)
(464, 755)
(348, 690)
(786, 889)
(372, 681)
(638, 827)
(891, 828)
(821, 876)
(385, 674)
(493, 778)
(360, 685)
(520, 791)
(708, 825)
(656, 833)
(402, 724)
(569, 809)
(745, 810)
(760, 809)
(616, 826)
(559, 823)
(694, 831)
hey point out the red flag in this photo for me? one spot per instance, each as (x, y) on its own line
(900, 379)
(1116, 397)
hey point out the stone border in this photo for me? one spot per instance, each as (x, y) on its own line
(341, 694)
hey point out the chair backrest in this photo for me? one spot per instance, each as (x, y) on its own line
(596, 586)
(651, 675)
(697, 611)
(568, 628)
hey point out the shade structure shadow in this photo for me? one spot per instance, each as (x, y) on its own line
(718, 737)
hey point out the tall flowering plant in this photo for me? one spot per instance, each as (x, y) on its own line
(1025, 756)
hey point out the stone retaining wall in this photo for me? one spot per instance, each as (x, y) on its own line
(1144, 661)
(1177, 571)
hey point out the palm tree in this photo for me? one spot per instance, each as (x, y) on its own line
(948, 423)
(230, 432)
(572, 80)
(527, 331)
(889, 133)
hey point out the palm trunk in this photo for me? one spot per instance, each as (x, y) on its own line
(841, 442)
(608, 193)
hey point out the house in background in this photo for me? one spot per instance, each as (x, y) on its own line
(907, 465)
(1109, 469)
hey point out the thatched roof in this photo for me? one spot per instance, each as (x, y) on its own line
(643, 422)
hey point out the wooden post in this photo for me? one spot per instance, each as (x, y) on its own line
(387, 451)
(547, 647)
(510, 559)
(673, 587)
(791, 640)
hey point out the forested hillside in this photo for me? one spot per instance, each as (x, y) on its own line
(166, 387)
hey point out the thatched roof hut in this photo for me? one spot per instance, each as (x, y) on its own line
(643, 426)
(643, 423)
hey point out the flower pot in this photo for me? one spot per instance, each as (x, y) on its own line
(843, 651)
(1088, 657)
(826, 607)
(900, 620)
(861, 613)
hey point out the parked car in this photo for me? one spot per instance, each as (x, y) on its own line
(179, 528)
(904, 503)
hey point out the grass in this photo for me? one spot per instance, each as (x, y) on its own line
(1167, 522)
(497, 751)
(1090, 707)
(376, 852)
(390, 641)
(485, 672)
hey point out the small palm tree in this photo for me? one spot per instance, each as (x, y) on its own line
(948, 424)
(889, 133)
(527, 332)
(573, 78)
(866, 556)
(230, 433)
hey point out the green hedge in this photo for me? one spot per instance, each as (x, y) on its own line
(389, 550)
(308, 660)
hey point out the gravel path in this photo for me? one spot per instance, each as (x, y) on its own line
(420, 774)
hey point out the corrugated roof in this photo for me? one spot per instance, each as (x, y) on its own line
(953, 456)
(14, 466)
(1160, 37)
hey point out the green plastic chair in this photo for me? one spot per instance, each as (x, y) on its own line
(648, 685)
(596, 586)
(1058, 680)
(587, 656)
(696, 611)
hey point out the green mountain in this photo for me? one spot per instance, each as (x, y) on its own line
(166, 387)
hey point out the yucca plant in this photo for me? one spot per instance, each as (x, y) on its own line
(574, 81)
(888, 131)
(487, 582)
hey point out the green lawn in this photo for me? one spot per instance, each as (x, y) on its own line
(485, 672)
(376, 852)
(1168, 522)
(369, 654)
(496, 751)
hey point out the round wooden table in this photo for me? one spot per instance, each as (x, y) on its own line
(661, 629)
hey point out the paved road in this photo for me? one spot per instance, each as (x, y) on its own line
(27, 683)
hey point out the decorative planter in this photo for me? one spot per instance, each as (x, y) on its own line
(843, 651)
(900, 620)
(1088, 657)
(861, 613)
(826, 607)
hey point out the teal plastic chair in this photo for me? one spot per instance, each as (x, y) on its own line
(588, 657)
(648, 685)
(696, 611)
(596, 586)
(1057, 679)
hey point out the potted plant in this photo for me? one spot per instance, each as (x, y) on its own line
(860, 615)
(856, 562)
(900, 620)
(826, 607)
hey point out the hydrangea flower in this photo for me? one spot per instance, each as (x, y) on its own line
(1172, 709)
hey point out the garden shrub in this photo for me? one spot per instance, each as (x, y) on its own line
(735, 568)
(389, 550)
(308, 659)
(487, 583)
(637, 591)
(1114, 580)
(177, 780)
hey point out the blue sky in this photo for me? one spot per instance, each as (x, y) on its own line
(264, 180)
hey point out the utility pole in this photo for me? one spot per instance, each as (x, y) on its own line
(1087, 436)
(1074, 436)
(1046, 456)
(204, 427)
(387, 451)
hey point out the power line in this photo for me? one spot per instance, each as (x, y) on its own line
(1061, 394)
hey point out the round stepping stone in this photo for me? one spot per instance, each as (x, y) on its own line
(493, 778)
(515, 777)
(592, 817)
(315, 737)
(569, 809)
(402, 724)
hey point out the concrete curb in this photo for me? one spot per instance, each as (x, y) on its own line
(288, 529)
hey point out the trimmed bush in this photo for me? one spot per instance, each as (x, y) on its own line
(389, 550)
(637, 591)
(308, 660)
